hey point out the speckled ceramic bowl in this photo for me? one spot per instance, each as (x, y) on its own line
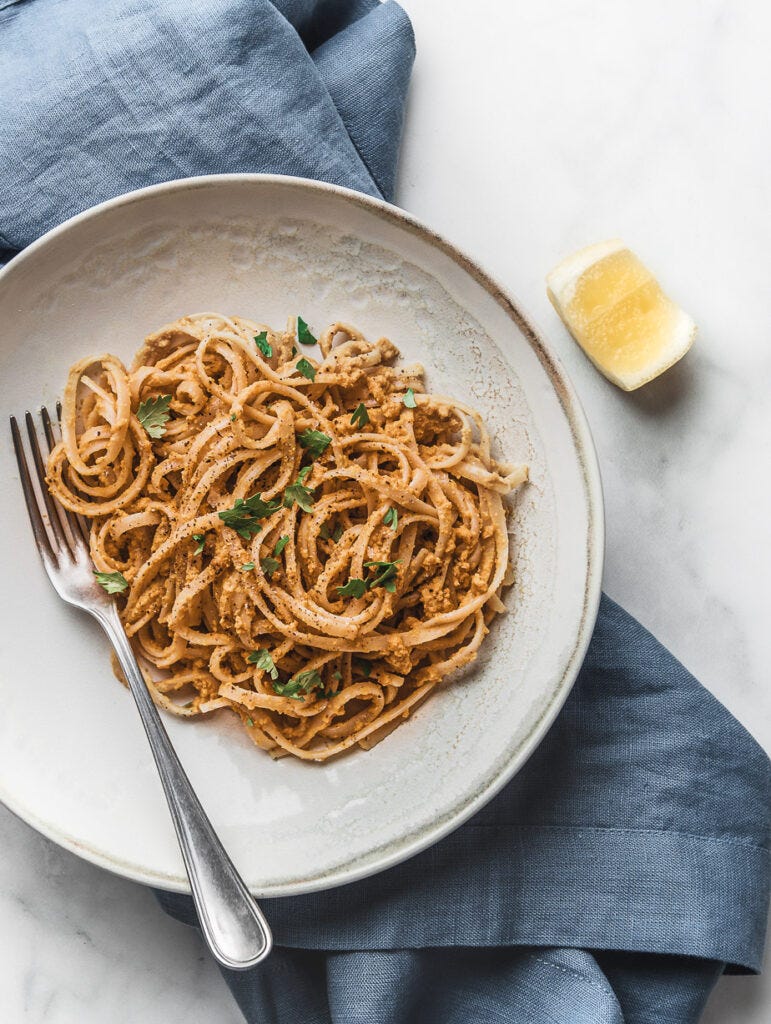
(73, 758)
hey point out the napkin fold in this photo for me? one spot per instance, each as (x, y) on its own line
(627, 865)
(99, 99)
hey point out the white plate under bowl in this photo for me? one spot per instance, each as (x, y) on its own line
(73, 758)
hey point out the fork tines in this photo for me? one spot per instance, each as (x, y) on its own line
(58, 532)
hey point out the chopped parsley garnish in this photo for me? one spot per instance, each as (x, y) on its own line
(294, 351)
(391, 518)
(363, 665)
(353, 588)
(289, 690)
(247, 567)
(307, 369)
(303, 682)
(360, 415)
(337, 533)
(250, 723)
(153, 414)
(201, 538)
(337, 676)
(314, 441)
(281, 543)
(113, 582)
(298, 493)
(232, 417)
(309, 680)
(385, 577)
(304, 336)
(262, 343)
(269, 565)
(262, 659)
(409, 399)
(245, 515)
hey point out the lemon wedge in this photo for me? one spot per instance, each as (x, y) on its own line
(615, 309)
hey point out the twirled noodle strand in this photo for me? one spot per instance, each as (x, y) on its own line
(372, 548)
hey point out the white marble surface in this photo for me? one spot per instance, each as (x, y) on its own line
(534, 129)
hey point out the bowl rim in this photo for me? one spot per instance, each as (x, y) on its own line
(587, 457)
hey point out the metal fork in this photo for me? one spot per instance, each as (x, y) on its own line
(232, 923)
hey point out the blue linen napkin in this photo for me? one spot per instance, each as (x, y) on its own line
(627, 865)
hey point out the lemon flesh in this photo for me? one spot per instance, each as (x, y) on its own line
(615, 309)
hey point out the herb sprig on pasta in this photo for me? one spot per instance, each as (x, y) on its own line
(313, 544)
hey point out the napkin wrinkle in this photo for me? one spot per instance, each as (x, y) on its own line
(317, 21)
(674, 753)
(560, 986)
(501, 985)
(629, 831)
(433, 987)
(655, 989)
(374, 56)
(132, 93)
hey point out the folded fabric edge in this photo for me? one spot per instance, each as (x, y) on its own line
(595, 888)
(378, 49)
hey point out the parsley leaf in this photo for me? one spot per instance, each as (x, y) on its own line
(314, 441)
(246, 527)
(363, 665)
(263, 509)
(281, 543)
(306, 369)
(386, 577)
(409, 399)
(153, 414)
(337, 676)
(304, 336)
(360, 415)
(262, 343)
(262, 659)
(289, 690)
(391, 518)
(337, 533)
(250, 723)
(232, 417)
(297, 492)
(309, 680)
(269, 565)
(247, 567)
(353, 588)
(113, 582)
(303, 681)
(201, 538)
(244, 516)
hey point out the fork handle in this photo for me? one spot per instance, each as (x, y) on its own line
(232, 924)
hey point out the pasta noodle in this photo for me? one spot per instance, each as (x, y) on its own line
(313, 543)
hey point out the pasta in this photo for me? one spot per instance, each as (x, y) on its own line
(312, 543)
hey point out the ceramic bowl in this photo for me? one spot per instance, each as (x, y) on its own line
(73, 758)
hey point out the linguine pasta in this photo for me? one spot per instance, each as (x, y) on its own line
(313, 543)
